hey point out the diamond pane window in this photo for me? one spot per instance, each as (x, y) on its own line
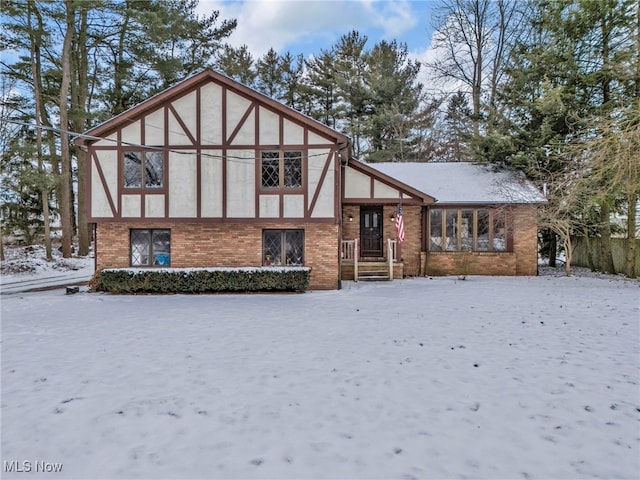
(272, 247)
(150, 248)
(154, 169)
(132, 169)
(282, 170)
(294, 244)
(270, 170)
(292, 169)
(143, 169)
(283, 247)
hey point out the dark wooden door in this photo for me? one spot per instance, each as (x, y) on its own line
(371, 231)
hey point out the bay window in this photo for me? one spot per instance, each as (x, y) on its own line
(467, 229)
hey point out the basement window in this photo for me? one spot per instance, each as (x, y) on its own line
(150, 248)
(283, 248)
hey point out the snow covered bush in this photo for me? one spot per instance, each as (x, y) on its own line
(202, 280)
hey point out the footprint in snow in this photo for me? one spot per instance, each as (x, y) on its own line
(71, 399)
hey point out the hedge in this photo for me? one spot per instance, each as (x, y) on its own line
(202, 280)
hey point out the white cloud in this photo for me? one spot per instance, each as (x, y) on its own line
(432, 84)
(310, 25)
(394, 18)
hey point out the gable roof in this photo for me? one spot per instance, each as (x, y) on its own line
(188, 85)
(464, 182)
(393, 182)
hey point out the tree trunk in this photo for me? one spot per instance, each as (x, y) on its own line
(606, 257)
(553, 248)
(35, 39)
(630, 261)
(79, 95)
(568, 251)
(588, 247)
(65, 153)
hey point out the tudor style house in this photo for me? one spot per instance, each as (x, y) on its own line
(460, 218)
(211, 173)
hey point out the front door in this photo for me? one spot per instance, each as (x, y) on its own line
(371, 232)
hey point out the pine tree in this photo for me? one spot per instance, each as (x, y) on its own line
(237, 63)
(394, 94)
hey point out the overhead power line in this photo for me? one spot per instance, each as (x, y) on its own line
(141, 146)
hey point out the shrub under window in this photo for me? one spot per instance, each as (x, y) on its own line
(150, 248)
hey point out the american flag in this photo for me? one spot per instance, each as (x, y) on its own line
(399, 225)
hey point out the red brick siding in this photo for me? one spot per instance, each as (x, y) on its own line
(409, 249)
(522, 261)
(525, 239)
(224, 245)
(479, 263)
(351, 229)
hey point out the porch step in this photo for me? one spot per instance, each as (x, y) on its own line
(373, 275)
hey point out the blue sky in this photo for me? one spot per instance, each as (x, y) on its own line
(307, 26)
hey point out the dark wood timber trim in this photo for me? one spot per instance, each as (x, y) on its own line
(103, 180)
(241, 123)
(163, 222)
(305, 174)
(381, 201)
(390, 181)
(120, 166)
(168, 164)
(224, 151)
(198, 155)
(195, 81)
(143, 200)
(182, 125)
(321, 181)
(336, 144)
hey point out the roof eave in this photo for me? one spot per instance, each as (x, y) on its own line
(108, 126)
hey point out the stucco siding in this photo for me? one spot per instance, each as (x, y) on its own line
(182, 185)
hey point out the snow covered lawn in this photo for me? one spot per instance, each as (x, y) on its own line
(421, 378)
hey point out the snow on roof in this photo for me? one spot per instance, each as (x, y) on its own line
(463, 182)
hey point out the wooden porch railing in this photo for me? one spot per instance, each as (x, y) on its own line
(391, 255)
(350, 254)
